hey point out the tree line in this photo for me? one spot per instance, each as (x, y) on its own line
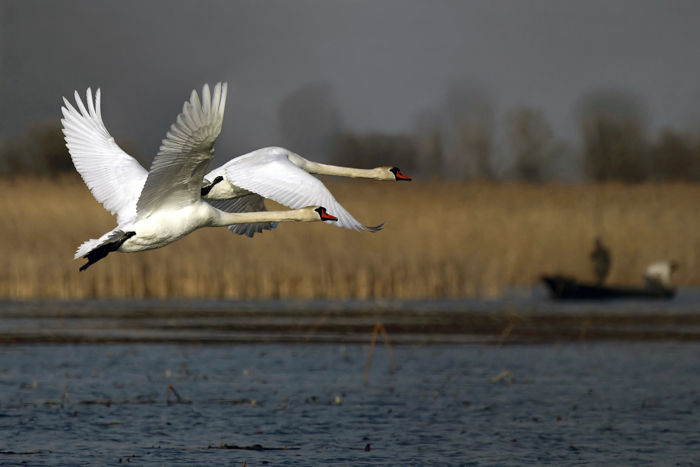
(461, 138)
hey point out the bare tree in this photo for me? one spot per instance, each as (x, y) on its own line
(469, 132)
(428, 137)
(676, 157)
(615, 145)
(310, 121)
(41, 151)
(376, 149)
(532, 143)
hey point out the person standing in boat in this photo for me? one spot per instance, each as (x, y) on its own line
(600, 257)
(659, 275)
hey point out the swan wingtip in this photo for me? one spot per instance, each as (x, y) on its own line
(376, 228)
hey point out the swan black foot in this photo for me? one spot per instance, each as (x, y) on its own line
(106, 248)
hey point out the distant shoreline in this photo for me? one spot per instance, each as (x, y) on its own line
(463, 322)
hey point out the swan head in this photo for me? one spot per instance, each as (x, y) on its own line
(323, 214)
(393, 173)
(313, 214)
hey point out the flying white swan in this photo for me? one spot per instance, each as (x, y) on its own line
(168, 206)
(285, 177)
(116, 179)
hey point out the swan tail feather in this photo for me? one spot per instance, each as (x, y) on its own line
(96, 249)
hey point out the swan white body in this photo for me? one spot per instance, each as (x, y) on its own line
(117, 179)
(164, 227)
(168, 206)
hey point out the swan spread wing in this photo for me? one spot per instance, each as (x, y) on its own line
(269, 173)
(175, 178)
(114, 177)
(248, 203)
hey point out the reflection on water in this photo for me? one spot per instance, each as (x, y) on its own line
(600, 404)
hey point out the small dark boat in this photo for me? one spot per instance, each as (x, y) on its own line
(566, 288)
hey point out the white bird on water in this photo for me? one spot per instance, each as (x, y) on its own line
(168, 205)
(117, 179)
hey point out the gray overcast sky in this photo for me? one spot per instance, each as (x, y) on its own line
(385, 60)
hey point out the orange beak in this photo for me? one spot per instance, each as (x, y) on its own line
(325, 216)
(399, 176)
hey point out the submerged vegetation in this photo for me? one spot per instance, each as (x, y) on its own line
(443, 239)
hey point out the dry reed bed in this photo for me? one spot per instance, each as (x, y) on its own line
(443, 239)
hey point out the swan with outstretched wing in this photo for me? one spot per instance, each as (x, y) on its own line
(169, 205)
(239, 186)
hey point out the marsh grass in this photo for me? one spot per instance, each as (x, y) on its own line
(443, 239)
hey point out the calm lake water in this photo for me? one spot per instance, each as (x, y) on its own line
(603, 403)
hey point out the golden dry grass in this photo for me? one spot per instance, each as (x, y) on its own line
(443, 239)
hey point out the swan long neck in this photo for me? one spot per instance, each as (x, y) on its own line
(221, 218)
(325, 169)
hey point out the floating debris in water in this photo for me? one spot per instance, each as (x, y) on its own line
(255, 447)
(244, 401)
(27, 453)
(503, 376)
(180, 400)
